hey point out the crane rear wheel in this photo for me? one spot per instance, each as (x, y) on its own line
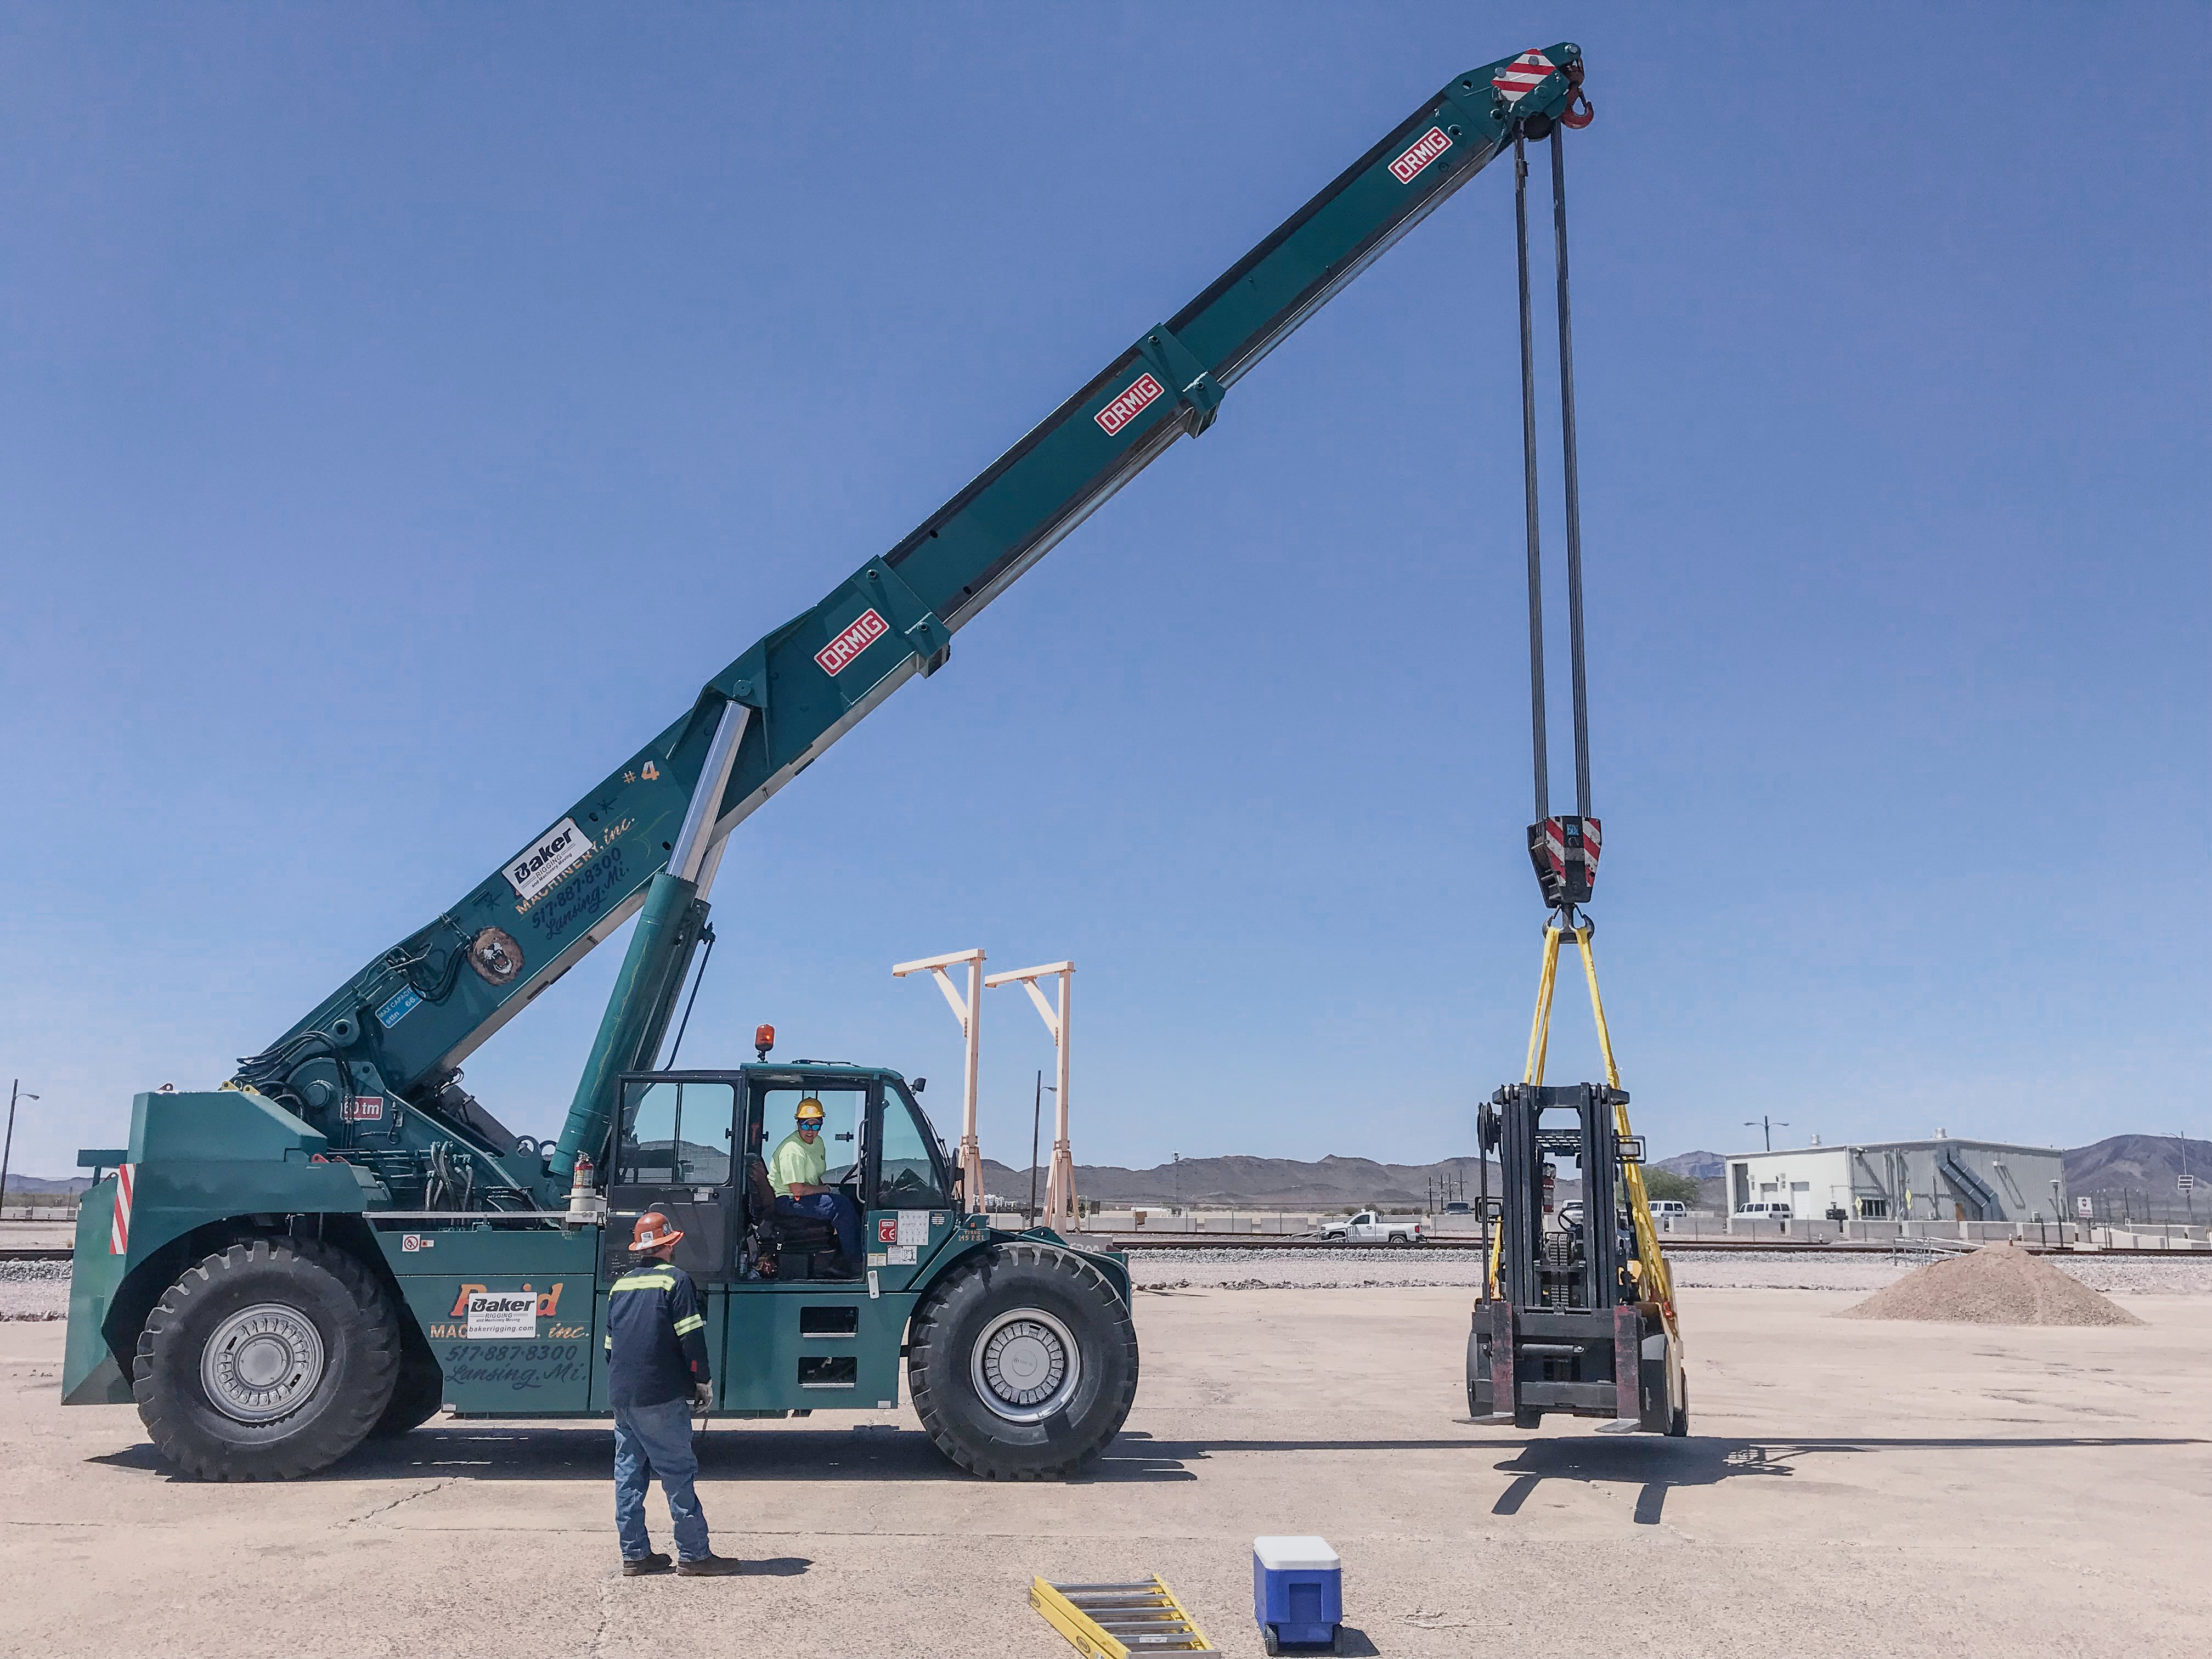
(270, 1359)
(1023, 1363)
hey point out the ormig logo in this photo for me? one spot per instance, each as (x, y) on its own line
(1131, 403)
(1427, 148)
(867, 628)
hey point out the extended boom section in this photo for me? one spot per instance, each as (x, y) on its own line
(399, 1029)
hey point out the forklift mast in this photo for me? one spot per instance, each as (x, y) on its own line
(379, 1058)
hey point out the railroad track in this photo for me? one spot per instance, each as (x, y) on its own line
(1431, 1246)
(34, 1252)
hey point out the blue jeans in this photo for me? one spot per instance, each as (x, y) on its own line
(651, 1440)
(837, 1208)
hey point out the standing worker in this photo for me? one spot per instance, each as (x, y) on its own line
(795, 1170)
(657, 1367)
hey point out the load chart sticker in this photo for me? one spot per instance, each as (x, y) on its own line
(403, 1002)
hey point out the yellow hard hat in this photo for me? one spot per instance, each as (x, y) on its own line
(809, 1110)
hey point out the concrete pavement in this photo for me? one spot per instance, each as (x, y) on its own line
(1891, 1489)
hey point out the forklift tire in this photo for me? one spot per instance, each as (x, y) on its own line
(1678, 1423)
(1023, 1363)
(267, 1360)
(415, 1398)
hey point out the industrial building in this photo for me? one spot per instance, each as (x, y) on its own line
(1943, 1179)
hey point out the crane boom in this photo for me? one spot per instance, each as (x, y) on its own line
(402, 1026)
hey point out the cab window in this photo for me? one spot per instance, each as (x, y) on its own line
(675, 1135)
(910, 1178)
(844, 1112)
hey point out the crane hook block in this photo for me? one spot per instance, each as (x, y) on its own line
(1564, 852)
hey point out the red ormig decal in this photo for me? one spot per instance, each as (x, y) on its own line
(1427, 148)
(867, 628)
(1131, 403)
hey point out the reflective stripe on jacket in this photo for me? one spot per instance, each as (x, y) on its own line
(656, 1336)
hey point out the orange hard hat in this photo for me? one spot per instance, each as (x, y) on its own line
(652, 1231)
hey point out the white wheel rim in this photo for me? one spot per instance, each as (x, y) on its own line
(1025, 1365)
(262, 1363)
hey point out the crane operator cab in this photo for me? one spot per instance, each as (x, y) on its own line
(700, 1146)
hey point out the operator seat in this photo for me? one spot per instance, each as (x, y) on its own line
(802, 1246)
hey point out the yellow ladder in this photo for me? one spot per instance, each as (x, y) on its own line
(1112, 1621)
(1651, 1266)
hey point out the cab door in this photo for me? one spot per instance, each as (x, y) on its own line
(908, 1185)
(673, 1152)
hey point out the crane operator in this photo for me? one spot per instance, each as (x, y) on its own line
(658, 1371)
(795, 1170)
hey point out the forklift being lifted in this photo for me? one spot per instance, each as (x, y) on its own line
(1572, 1318)
(341, 1239)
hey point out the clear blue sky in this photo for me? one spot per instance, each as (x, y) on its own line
(405, 410)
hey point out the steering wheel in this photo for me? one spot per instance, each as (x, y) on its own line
(905, 1182)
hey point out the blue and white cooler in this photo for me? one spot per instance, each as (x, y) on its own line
(1297, 1592)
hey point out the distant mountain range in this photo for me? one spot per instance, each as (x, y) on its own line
(2145, 1163)
(69, 1184)
(1329, 1183)
(2139, 1163)
(2118, 1163)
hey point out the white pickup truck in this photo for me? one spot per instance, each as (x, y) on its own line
(1369, 1228)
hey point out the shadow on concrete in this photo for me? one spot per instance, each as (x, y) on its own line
(777, 1566)
(726, 1452)
(486, 1451)
(1659, 1465)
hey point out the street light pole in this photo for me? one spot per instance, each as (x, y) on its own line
(7, 1146)
(1768, 1124)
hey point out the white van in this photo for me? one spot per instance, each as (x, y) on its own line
(1764, 1211)
(1668, 1207)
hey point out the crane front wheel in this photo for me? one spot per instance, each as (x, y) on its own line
(1024, 1363)
(267, 1360)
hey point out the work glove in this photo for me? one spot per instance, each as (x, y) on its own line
(702, 1396)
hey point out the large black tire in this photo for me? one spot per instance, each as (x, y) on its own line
(416, 1397)
(1678, 1421)
(269, 1360)
(1023, 1363)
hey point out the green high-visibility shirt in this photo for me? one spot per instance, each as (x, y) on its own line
(794, 1160)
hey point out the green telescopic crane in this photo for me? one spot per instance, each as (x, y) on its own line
(642, 841)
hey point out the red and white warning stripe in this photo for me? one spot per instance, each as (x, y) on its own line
(1522, 76)
(118, 1231)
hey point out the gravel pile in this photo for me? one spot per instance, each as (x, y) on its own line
(2000, 1286)
(34, 1290)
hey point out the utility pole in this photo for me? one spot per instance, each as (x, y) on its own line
(2188, 1186)
(1175, 1174)
(1036, 1116)
(8, 1147)
(1768, 1124)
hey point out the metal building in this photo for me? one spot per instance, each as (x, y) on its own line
(1940, 1180)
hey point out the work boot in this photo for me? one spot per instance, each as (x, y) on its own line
(707, 1566)
(656, 1562)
